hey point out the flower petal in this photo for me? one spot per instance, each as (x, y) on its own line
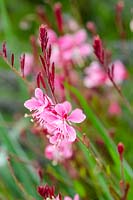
(32, 104)
(76, 197)
(59, 108)
(71, 133)
(67, 106)
(39, 93)
(53, 139)
(67, 198)
(76, 116)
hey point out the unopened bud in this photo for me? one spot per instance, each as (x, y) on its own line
(120, 148)
(58, 14)
(91, 27)
(120, 6)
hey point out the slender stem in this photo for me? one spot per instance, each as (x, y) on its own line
(22, 189)
(122, 178)
(121, 94)
(17, 72)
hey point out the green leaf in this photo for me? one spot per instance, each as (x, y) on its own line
(96, 122)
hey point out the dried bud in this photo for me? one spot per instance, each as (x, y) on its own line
(120, 148)
(58, 14)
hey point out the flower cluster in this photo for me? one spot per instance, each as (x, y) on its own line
(57, 119)
(69, 48)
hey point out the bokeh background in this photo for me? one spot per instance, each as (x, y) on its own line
(19, 19)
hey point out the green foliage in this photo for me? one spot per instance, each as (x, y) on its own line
(97, 172)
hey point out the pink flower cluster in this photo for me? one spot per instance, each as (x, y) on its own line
(57, 119)
(69, 48)
(96, 76)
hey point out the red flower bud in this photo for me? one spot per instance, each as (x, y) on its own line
(120, 148)
(58, 14)
(98, 49)
(119, 6)
(46, 191)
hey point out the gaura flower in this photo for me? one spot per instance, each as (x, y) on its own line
(58, 154)
(40, 106)
(96, 76)
(57, 119)
(62, 122)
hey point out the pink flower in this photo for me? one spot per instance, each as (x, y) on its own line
(85, 50)
(119, 73)
(76, 197)
(65, 42)
(80, 37)
(41, 105)
(58, 154)
(62, 122)
(55, 118)
(114, 109)
(69, 47)
(73, 47)
(39, 102)
(52, 36)
(28, 66)
(95, 76)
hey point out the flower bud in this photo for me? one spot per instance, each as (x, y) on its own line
(120, 148)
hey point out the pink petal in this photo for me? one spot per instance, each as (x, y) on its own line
(52, 36)
(114, 108)
(71, 133)
(80, 37)
(67, 54)
(63, 108)
(32, 104)
(67, 106)
(59, 108)
(49, 152)
(67, 198)
(76, 116)
(93, 68)
(76, 197)
(85, 50)
(28, 64)
(66, 42)
(38, 93)
(119, 73)
(95, 75)
(53, 139)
